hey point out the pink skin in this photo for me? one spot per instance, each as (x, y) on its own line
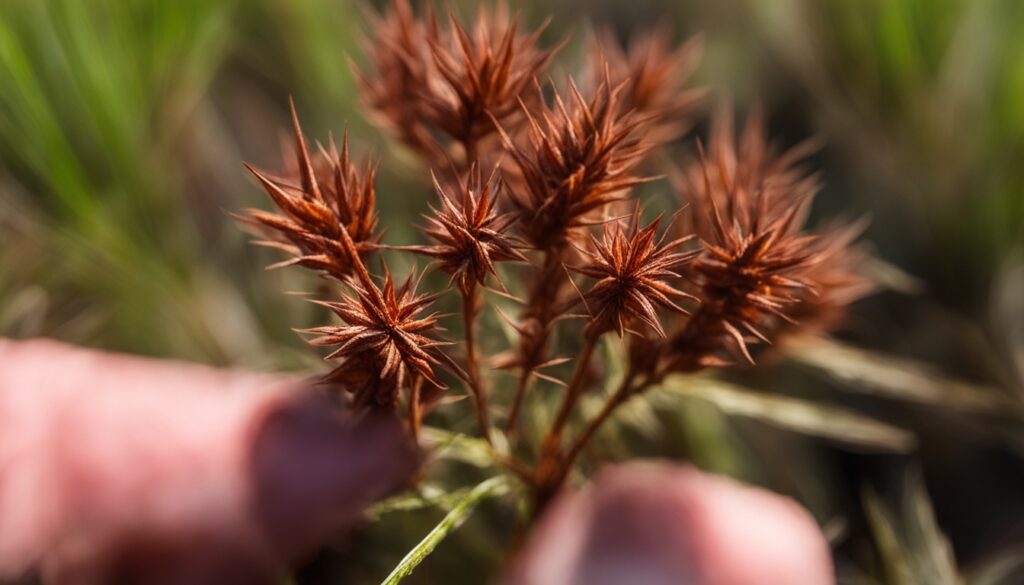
(119, 468)
(663, 524)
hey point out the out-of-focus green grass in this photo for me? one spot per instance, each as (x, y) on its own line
(925, 101)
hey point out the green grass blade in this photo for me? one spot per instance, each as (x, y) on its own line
(494, 486)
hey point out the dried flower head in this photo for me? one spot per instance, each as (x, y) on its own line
(751, 180)
(580, 156)
(485, 70)
(756, 262)
(655, 73)
(632, 267)
(837, 279)
(401, 69)
(470, 234)
(384, 333)
(385, 330)
(315, 211)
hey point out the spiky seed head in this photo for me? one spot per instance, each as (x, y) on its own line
(394, 86)
(750, 205)
(632, 268)
(315, 207)
(385, 328)
(578, 157)
(470, 235)
(656, 73)
(483, 72)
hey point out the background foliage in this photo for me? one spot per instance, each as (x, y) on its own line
(122, 128)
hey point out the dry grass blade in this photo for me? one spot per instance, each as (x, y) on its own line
(850, 429)
(903, 379)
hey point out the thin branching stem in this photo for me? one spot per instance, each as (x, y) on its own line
(552, 441)
(624, 391)
(544, 291)
(517, 403)
(470, 312)
(415, 413)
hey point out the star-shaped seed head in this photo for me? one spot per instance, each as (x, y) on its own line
(469, 233)
(579, 157)
(632, 267)
(757, 262)
(315, 208)
(483, 72)
(386, 329)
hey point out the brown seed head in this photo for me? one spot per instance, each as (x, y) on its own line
(395, 86)
(655, 72)
(469, 232)
(580, 156)
(316, 208)
(485, 71)
(632, 267)
(749, 180)
(750, 206)
(837, 279)
(384, 341)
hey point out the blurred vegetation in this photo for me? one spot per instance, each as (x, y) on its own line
(123, 124)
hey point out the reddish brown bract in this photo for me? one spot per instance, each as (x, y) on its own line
(428, 82)
(580, 157)
(469, 232)
(756, 263)
(485, 71)
(384, 336)
(315, 210)
(632, 268)
(655, 74)
(400, 73)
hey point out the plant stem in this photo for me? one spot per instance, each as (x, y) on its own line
(415, 415)
(621, 394)
(538, 317)
(517, 403)
(552, 441)
(470, 311)
(551, 478)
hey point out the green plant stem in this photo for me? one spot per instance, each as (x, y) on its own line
(470, 311)
(489, 488)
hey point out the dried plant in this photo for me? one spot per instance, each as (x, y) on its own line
(486, 70)
(394, 89)
(633, 269)
(469, 233)
(315, 212)
(737, 268)
(749, 206)
(837, 280)
(655, 73)
(581, 155)
(470, 236)
(384, 328)
(437, 87)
